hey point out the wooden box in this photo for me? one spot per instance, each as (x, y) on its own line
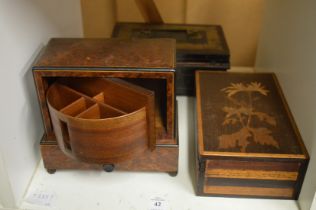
(198, 47)
(108, 103)
(247, 142)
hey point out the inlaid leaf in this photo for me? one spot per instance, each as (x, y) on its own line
(257, 87)
(263, 136)
(231, 111)
(234, 88)
(231, 121)
(239, 138)
(227, 141)
(265, 118)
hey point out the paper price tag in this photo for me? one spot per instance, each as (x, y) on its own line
(158, 203)
(41, 198)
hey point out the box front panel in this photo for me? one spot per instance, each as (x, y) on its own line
(251, 178)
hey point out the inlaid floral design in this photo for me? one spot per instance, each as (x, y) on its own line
(243, 112)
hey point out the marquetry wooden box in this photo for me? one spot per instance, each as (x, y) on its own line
(108, 103)
(247, 142)
(201, 47)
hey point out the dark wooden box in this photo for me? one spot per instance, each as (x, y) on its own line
(108, 103)
(247, 142)
(201, 47)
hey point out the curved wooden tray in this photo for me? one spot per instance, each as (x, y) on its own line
(101, 120)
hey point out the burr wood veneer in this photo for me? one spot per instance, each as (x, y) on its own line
(108, 103)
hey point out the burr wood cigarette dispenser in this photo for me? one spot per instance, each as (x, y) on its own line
(108, 103)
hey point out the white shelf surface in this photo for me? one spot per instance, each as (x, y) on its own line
(82, 190)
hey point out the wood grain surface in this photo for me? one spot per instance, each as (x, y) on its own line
(200, 47)
(96, 132)
(43, 77)
(252, 174)
(130, 121)
(211, 99)
(164, 159)
(248, 144)
(250, 191)
(253, 165)
(108, 53)
(198, 40)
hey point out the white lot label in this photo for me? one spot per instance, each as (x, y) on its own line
(157, 203)
(41, 198)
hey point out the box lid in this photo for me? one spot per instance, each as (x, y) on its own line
(198, 43)
(158, 54)
(245, 115)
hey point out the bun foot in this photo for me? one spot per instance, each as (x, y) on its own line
(50, 171)
(173, 174)
(108, 167)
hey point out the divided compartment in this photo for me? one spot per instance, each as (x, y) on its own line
(100, 120)
(159, 87)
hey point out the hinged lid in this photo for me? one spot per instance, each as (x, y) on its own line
(195, 43)
(79, 53)
(245, 115)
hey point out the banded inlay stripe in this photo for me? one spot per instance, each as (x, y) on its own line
(251, 174)
(249, 191)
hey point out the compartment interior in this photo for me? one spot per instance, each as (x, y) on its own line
(117, 94)
(76, 107)
(97, 111)
(92, 98)
(159, 86)
(61, 97)
(72, 102)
